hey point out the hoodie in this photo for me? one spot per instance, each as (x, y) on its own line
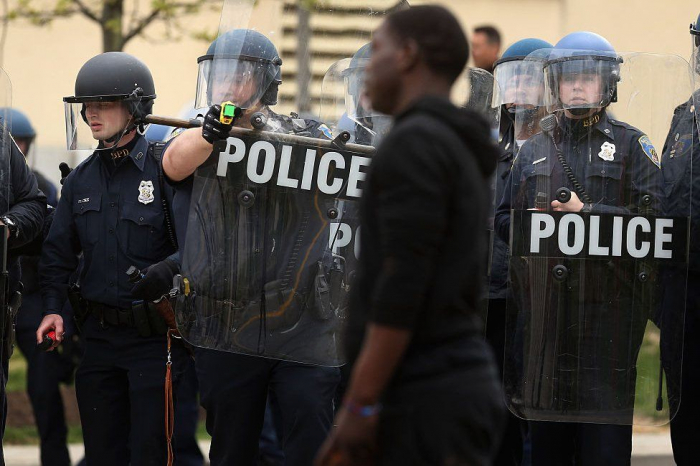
(422, 215)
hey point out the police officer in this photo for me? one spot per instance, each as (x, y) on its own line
(24, 208)
(114, 210)
(518, 89)
(45, 371)
(680, 154)
(609, 167)
(234, 387)
(365, 125)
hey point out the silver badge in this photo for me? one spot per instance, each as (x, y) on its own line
(146, 192)
(607, 150)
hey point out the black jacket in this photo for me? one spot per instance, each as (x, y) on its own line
(21, 200)
(423, 211)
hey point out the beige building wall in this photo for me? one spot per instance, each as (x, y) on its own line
(42, 62)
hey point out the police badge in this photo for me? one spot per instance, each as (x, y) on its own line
(146, 192)
(607, 151)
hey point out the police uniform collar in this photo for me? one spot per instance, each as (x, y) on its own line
(138, 153)
(603, 125)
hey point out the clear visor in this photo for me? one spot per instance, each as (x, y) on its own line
(518, 83)
(88, 123)
(579, 84)
(345, 105)
(695, 58)
(240, 81)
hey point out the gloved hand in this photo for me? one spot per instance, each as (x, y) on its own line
(212, 129)
(157, 281)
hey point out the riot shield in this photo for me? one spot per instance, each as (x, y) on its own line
(594, 245)
(272, 234)
(7, 321)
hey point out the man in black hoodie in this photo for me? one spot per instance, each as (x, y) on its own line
(424, 388)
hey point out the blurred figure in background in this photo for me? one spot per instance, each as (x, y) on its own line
(486, 44)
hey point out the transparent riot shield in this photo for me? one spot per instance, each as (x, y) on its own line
(7, 145)
(272, 234)
(518, 89)
(271, 247)
(595, 244)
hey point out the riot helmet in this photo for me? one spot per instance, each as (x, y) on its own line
(587, 60)
(695, 34)
(518, 77)
(241, 66)
(103, 80)
(20, 128)
(370, 125)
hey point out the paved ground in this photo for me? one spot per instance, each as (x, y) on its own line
(648, 449)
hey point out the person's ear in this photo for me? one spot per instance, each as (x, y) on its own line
(408, 56)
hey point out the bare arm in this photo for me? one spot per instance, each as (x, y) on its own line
(382, 351)
(192, 148)
(185, 153)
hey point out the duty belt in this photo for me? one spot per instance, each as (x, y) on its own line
(111, 315)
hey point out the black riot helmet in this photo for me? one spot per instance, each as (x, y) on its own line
(109, 77)
(236, 58)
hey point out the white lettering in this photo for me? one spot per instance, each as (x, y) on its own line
(268, 168)
(594, 248)
(308, 175)
(634, 224)
(579, 234)
(283, 178)
(617, 237)
(341, 235)
(227, 156)
(356, 175)
(662, 238)
(542, 227)
(324, 169)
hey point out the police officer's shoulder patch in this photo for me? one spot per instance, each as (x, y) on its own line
(176, 132)
(325, 130)
(649, 150)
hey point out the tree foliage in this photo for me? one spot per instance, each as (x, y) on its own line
(119, 21)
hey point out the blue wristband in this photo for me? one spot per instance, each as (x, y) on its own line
(362, 410)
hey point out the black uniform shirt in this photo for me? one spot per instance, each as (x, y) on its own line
(614, 162)
(115, 220)
(680, 157)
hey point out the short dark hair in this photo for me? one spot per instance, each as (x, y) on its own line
(441, 41)
(492, 34)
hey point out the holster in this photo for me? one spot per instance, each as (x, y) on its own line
(147, 319)
(79, 306)
(8, 336)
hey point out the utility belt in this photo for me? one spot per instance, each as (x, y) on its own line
(142, 316)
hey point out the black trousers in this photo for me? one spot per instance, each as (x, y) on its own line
(510, 452)
(120, 390)
(234, 391)
(561, 444)
(685, 426)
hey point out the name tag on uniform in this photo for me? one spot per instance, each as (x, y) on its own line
(539, 160)
(81, 201)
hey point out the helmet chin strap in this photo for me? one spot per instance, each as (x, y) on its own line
(117, 137)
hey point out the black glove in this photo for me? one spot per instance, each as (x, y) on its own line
(157, 281)
(212, 129)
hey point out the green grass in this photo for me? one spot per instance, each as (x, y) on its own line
(28, 435)
(17, 380)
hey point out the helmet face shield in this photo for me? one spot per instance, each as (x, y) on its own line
(695, 57)
(518, 83)
(581, 82)
(240, 80)
(90, 121)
